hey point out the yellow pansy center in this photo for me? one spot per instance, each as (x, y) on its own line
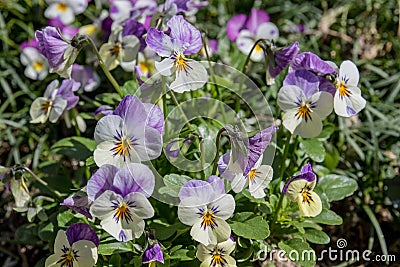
(306, 195)
(208, 218)
(122, 145)
(38, 66)
(68, 257)
(217, 258)
(304, 111)
(252, 175)
(116, 49)
(47, 106)
(61, 7)
(180, 63)
(341, 87)
(122, 212)
(258, 48)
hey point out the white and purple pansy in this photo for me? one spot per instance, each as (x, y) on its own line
(304, 105)
(217, 255)
(246, 30)
(247, 170)
(65, 10)
(348, 100)
(133, 134)
(300, 189)
(120, 199)
(205, 206)
(36, 64)
(184, 39)
(77, 246)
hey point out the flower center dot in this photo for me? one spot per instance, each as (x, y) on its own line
(217, 258)
(252, 175)
(181, 63)
(38, 65)
(61, 7)
(341, 86)
(122, 212)
(67, 259)
(304, 111)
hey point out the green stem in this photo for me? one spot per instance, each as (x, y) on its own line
(181, 110)
(164, 102)
(285, 154)
(237, 103)
(215, 161)
(103, 67)
(58, 194)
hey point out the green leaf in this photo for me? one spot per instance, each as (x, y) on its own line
(328, 217)
(75, 147)
(337, 187)
(331, 157)
(90, 162)
(111, 248)
(182, 255)
(108, 98)
(299, 251)
(115, 260)
(314, 148)
(64, 218)
(316, 236)
(173, 184)
(46, 232)
(130, 88)
(255, 228)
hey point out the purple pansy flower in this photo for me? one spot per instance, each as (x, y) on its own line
(60, 54)
(246, 30)
(121, 10)
(103, 110)
(120, 200)
(79, 202)
(77, 246)
(304, 104)
(153, 251)
(133, 27)
(132, 135)
(300, 189)
(283, 58)
(66, 90)
(205, 206)
(247, 170)
(184, 39)
(89, 79)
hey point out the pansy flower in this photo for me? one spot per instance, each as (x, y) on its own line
(304, 105)
(120, 199)
(66, 30)
(184, 39)
(65, 10)
(205, 206)
(348, 100)
(217, 255)
(59, 53)
(246, 170)
(121, 10)
(79, 202)
(77, 246)
(36, 64)
(119, 49)
(300, 189)
(50, 106)
(153, 251)
(88, 78)
(133, 134)
(246, 30)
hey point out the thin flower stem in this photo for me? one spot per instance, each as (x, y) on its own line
(104, 68)
(164, 102)
(58, 194)
(237, 103)
(181, 110)
(283, 165)
(218, 138)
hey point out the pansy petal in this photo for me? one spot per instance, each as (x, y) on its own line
(188, 210)
(239, 182)
(261, 181)
(217, 184)
(101, 181)
(323, 104)
(311, 62)
(211, 236)
(192, 78)
(257, 17)
(148, 144)
(36, 111)
(186, 34)
(142, 207)
(107, 127)
(347, 106)
(134, 177)
(159, 42)
(81, 231)
(103, 154)
(78, 6)
(225, 206)
(348, 72)
(155, 117)
(303, 79)
(309, 128)
(289, 96)
(130, 44)
(283, 58)
(245, 42)
(59, 105)
(234, 25)
(311, 208)
(290, 120)
(52, 261)
(268, 30)
(199, 189)
(87, 252)
(60, 242)
(165, 66)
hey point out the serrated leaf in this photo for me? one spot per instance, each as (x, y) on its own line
(328, 217)
(316, 236)
(314, 148)
(255, 228)
(299, 251)
(337, 187)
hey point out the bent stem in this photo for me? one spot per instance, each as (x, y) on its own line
(103, 66)
(215, 161)
(237, 103)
